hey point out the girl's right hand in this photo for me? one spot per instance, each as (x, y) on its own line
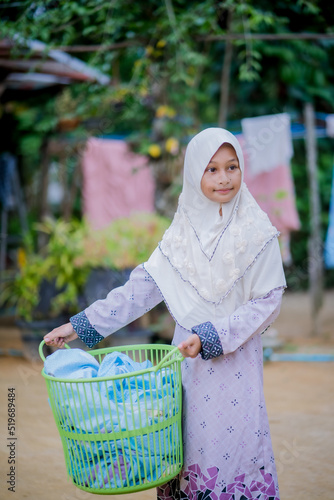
(191, 347)
(61, 335)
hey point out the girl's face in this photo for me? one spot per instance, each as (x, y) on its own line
(222, 177)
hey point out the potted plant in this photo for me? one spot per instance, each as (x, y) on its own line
(111, 253)
(75, 267)
(46, 288)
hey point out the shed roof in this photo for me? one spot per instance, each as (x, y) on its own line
(30, 65)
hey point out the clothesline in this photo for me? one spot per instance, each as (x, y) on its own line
(298, 130)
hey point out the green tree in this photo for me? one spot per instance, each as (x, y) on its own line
(165, 60)
(162, 53)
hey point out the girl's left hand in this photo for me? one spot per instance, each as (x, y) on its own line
(191, 347)
(59, 336)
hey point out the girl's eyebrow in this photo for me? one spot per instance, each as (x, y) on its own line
(228, 161)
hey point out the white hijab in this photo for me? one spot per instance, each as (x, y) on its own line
(208, 264)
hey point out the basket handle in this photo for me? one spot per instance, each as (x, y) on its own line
(168, 355)
(40, 349)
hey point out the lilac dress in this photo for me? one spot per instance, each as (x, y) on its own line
(227, 446)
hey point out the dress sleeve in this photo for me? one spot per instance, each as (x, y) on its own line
(249, 319)
(121, 306)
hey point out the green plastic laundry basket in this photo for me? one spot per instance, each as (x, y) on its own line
(121, 434)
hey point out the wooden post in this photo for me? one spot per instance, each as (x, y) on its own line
(315, 247)
(225, 78)
(44, 182)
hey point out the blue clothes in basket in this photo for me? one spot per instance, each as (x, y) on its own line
(111, 406)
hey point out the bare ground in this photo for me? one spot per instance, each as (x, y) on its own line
(300, 403)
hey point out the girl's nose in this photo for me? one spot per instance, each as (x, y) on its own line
(223, 178)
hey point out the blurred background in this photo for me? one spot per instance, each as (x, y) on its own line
(98, 100)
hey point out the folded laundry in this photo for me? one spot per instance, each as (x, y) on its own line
(102, 419)
(71, 363)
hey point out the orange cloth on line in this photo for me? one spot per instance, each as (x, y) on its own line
(274, 192)
(116, 182)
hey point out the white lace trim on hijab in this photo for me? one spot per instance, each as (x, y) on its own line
(245, 241)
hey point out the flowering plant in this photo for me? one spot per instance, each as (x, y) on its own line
(124, 244)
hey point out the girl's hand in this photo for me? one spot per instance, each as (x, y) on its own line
(61, 335)
(191, 347)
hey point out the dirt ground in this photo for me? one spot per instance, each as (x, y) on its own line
(299, 396)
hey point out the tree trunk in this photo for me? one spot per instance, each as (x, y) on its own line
(315, 247)
(225, 79)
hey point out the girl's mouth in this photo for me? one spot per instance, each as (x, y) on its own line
(223, 191)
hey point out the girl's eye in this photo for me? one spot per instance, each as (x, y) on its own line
(233, 167)
(211, 169)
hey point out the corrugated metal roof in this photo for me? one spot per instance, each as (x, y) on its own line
(28, 64)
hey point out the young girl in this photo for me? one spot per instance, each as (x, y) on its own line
(219, 270)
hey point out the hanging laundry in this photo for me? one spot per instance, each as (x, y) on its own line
(329, 243)
(268, 142)
(7, 166)
(274, 192)
(330, 125)
(116, 182)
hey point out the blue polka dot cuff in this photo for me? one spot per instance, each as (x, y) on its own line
(85, 331)
(211, 345)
